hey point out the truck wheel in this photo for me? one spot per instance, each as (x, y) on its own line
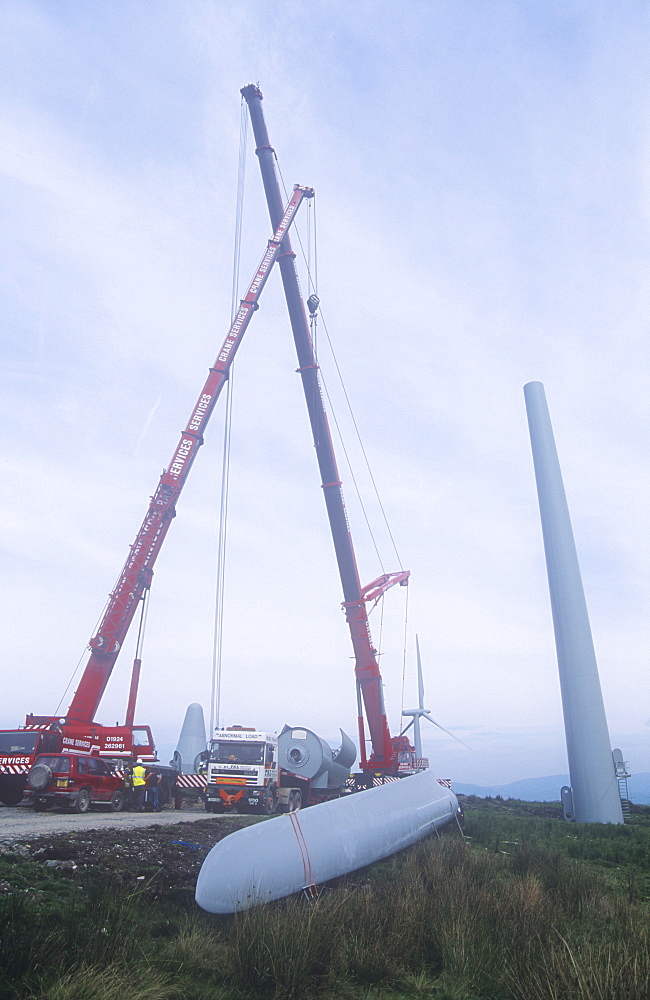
(267, 806)
(82, 802)
(12, 787)
(295, 801)
(117, 801)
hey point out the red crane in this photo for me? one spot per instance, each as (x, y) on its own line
(137, 572)
(386, 750)
(77, 728)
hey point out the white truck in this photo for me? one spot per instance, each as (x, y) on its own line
(250, 771)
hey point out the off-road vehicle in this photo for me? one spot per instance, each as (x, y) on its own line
(74, 781)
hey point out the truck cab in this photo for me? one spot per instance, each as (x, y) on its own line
(242, 771)
(18, 751)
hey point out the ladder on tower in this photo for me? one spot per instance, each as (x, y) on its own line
(622, 774)
(624, 794)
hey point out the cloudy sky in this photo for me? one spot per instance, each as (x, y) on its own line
(483, 194)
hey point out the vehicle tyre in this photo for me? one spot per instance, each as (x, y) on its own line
(117, 801)
(40, 805)
(12, 788)
(268, 804)
(39, 777)
(295, 801)
(165, 793)
(82, 802)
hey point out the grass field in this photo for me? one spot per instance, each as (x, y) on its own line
(521, 906)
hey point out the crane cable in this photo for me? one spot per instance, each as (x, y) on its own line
(217, 647)
(404, 657)
(142, 625)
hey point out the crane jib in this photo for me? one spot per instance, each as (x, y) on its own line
(366, 665)
(136, 574)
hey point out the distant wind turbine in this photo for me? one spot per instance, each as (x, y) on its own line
(422, 713)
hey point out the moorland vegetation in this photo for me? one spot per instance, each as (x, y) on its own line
(517, 906)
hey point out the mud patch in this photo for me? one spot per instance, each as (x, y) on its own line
(159, 861)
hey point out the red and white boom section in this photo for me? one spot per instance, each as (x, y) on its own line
(135, 578)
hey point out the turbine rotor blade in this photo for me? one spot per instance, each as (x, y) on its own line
(420, 679)
(425, 715)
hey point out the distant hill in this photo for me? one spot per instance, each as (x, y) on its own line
(548, 789)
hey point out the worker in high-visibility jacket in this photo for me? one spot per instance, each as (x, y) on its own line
(139, 782)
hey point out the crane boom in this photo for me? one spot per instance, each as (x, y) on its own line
(135, 578)
(368, 675)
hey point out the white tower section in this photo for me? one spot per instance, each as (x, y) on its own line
(595, 797)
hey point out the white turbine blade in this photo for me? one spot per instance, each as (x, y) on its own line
(408, 727)
(425, 715)
(420, 680)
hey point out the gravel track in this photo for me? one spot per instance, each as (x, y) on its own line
(18, 823)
